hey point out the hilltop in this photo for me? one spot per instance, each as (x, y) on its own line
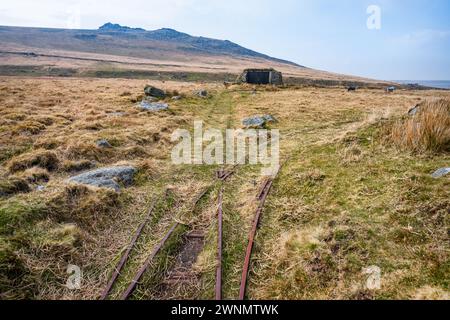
(186, 42)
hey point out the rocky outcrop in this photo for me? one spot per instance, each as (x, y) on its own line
(110, 177)
(258, 122)
(414, 110)
(441, 173)
(114, 27)
(103, 143)
(151, 91)
(153, 106)
(202, 93)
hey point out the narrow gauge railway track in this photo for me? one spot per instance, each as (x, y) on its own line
(219, 247)
(193, 243)
(261, 197)
(126, 254)
(147, 263)
(223, 176)
(193, 240)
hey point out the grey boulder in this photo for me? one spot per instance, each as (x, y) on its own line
(109, 177)
(258, 122)
(413, 111)
(154, 92)
(103, 143)
(202, 93)
(153, 106)
(441, 173)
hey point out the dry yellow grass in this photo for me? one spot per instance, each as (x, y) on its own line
(312, 240)
(427, 130)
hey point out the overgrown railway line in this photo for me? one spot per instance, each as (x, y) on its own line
(193, 242)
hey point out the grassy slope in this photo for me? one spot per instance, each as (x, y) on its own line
(69, 53)
(343, 201)
(344, 204)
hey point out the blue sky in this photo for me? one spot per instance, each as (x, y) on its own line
(413, 42)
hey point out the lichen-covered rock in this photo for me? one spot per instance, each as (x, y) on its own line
(151, 91)
(258, 122)
(103, 143)
(202, 93)
(110, 177)
(269, 118)
(153, 106)
(413, 111)
(441, 173)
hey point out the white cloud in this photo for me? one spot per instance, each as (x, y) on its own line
(137, 13)
(52, 13)
(423, 37)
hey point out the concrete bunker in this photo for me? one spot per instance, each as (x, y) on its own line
(261, 76)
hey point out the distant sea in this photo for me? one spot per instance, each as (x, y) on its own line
(441, 84)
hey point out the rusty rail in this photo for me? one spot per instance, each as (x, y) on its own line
(263, 189)
(219, 248)
(200, 196)
(223, 175)
(262, 196)
(126, 254)
(147, 263)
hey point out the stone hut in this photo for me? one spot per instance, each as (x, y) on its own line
(261, 76)
(390, 89)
